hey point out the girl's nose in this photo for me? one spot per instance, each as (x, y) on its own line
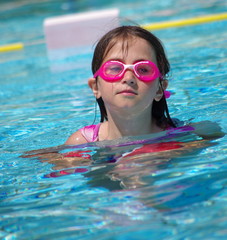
(129, 77)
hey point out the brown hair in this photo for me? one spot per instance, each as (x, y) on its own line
(160, 109)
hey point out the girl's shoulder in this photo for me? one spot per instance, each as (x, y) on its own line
(84, 135)
(76, 138)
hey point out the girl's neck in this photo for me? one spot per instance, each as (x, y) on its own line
(119, 125)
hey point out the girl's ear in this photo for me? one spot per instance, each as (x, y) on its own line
(92, 83)
(162, 87)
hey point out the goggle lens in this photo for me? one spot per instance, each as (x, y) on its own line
(112, 69)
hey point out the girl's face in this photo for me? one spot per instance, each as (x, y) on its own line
(129, 94)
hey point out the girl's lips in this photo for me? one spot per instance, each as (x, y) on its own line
(127, 92)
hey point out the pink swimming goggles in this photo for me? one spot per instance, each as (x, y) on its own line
(113, 71)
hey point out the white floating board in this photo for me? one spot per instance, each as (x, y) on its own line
(81, 29)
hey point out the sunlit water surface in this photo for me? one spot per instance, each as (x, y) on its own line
(175, 191)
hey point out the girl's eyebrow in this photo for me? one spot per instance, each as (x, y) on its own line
(114, 59)
(141, 59)
(121, 60)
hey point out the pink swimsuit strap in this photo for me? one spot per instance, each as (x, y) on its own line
(91, 132)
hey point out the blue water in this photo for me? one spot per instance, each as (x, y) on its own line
(178, 194)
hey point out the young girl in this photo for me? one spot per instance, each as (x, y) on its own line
(129, 82)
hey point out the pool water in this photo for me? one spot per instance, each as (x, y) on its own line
(175, 191)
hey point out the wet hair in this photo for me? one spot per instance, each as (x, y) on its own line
(159, 108)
